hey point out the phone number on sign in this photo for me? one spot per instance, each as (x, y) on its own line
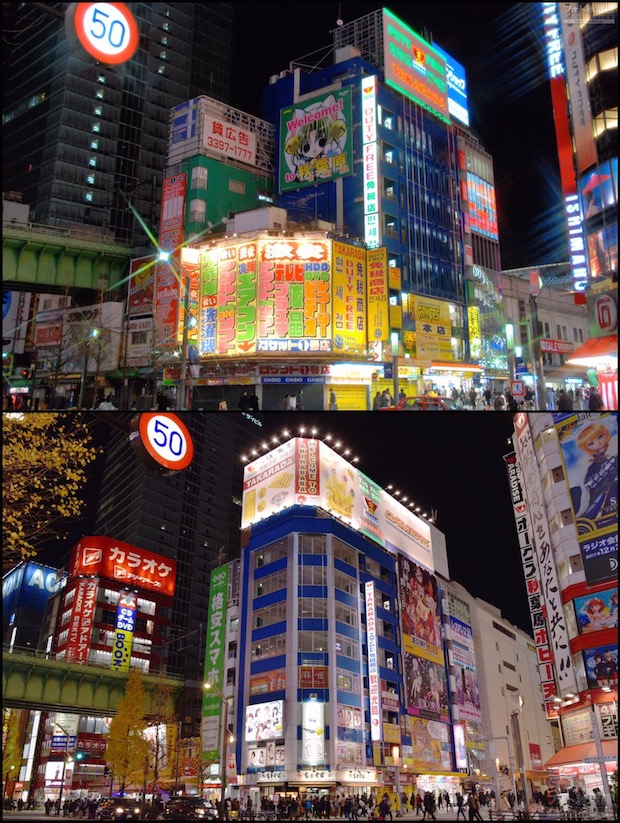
(223, 145)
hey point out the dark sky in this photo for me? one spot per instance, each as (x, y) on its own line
(450, 462)
(500, 46)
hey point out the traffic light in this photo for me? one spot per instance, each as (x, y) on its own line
(81, 755)
(25, 372)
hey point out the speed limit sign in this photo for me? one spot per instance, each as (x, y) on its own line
(162, 441)
(107, 32)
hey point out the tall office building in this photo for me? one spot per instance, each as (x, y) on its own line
(193, 517)
(82, 140)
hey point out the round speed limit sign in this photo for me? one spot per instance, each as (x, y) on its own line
(162, 441)
(108, 32)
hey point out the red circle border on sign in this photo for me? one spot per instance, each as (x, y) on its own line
(172, 465)
(102, 57)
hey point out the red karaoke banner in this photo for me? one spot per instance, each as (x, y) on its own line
(81, 621)
(120, 561)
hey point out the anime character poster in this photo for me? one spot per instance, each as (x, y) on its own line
(316, 140)
(597, 611)
(589, 444)
(263, 721)
(426, 688)
(431, 745)
(601, 666)
(419, 603)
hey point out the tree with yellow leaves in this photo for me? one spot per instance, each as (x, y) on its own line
(44, 460)
(127, 749)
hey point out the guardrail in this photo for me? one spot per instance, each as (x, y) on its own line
(81, 235)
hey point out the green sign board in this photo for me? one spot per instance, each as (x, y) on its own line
(214, 660)
(316, 141)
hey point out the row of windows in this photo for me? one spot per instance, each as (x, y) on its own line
(269, 647)
(270, 614)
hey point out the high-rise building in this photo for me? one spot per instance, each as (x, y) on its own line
(192, 517)
(83, 140)
(563, 476)
(344, 660)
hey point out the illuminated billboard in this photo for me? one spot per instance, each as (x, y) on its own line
(482, 208)
(316, 143)
(305, 471)
(433, 327)
(167, 278)
(349, 298)
(373, 662)
(313, 733)
(414, 67)
(457, 87)
(120, 561)
(370, 163)
(263, 721)
(124, 627)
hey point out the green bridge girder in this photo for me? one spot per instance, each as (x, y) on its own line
(32, 682)
(43, 258)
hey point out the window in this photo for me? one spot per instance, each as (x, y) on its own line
(199, 178)
(269, 647)
(344, 582)
(269, 615)
(312, 607)
(271, 583)
(312, 575)
(138, 338)
(232, 651)
(272, 552)
(346, 614)
(146, 606)
(372, 567)
(347, 647)
(312, 543)
(344, 552)
(312, 641)
(237, 186)
(197, 210)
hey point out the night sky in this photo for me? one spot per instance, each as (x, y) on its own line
(451, 462)
(501, 47)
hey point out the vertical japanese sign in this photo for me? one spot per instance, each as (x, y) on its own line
(141, 284)
(124, 628)
(215, 659)
(349, 298)
(378, 295)
(167, 282)
(81, 621)
(207, 334)
(370, 163)
(315, 141)
(544, 657)
(559, 651)
(589, 445)
(373, 663)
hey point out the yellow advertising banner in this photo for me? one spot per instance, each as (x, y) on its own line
(349, 398)
(378, 293)
(391, 733)
(433, 327)
(394, 277)
(349, 298)
(396, 317)
(475, 340)
(376, 754)
(121, 650)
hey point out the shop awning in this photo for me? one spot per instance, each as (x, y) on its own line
(579, 753)
(594, 350)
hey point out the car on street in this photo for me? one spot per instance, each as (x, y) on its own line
(425, 403)
(190, 808)
(119, 808)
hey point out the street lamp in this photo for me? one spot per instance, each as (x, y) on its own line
(514, 716)
(223, 744)
(64, 763)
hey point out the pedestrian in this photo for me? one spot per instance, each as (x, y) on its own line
(419, 805)
(513, 405)
(20, 804)
(578, 404)
(459, 806)
(107, 404)
(48, 806)
(564, 401)
(244, 401)
(473, 805)
(487, 397)
(550, 399)
(376, 403)
(401, 395)
(253, 402)
(429, 806)
(595, 401)
(300, 400)
(386, 399)
(472, 397)
(499, 402)
(285, 404)
(333, 404)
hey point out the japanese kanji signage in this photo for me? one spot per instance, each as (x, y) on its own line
(116, 560)
(533, 585)
(559, 648)
(214, 659)
(81, 621)
(373, 663)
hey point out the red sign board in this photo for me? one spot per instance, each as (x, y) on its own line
(81, 621)
(557, 346)
(120, 561)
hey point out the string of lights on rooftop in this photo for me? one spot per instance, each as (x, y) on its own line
(336, 445)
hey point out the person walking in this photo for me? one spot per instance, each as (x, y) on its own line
(550, 399)
(473, 805)
(429, 806)
(253, 402)
(459, 806)
(244, 401)
(472, 397)
(595, 401)
(333, 405)
(564, 401)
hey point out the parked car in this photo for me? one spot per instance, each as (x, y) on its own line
(119, 808)
(190, 808)
(425, 403)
